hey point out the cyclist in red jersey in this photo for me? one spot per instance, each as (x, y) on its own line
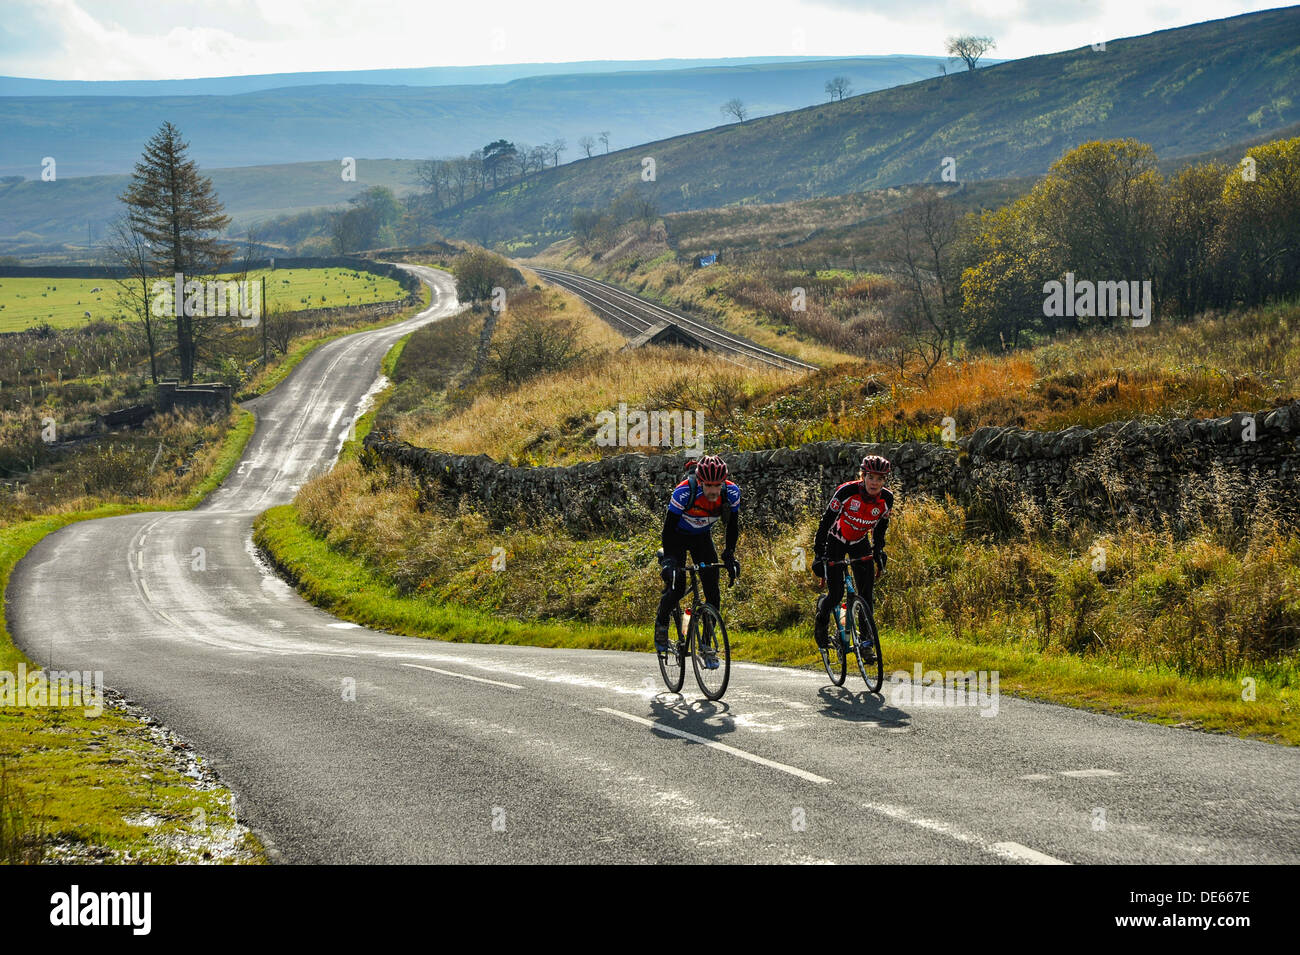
(853, 526)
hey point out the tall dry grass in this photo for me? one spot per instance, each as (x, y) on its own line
(1215, 590)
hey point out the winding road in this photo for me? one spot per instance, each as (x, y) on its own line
(350, 745)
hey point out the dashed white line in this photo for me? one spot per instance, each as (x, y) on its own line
(1027, 854)
(464, 676)
(723, 747)
(1088, 773)
(1006, 850)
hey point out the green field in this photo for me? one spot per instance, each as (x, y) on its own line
(62, 302)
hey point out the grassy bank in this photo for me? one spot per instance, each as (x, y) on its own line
(388, 569)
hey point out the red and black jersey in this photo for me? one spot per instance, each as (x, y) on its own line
(851, 515)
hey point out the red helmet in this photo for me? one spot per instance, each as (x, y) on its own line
(875, 464)
(711, 468)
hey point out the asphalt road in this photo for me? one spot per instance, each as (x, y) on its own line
(348, 745)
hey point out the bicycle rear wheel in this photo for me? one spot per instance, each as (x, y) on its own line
(867, 646)
(708, 632)
(672, 664)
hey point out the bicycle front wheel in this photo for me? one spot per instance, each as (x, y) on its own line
(710, 651)
(672, 663)
(867, 647)
(833, 658)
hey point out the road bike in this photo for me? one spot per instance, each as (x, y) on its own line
(700, 633)
(856, 635)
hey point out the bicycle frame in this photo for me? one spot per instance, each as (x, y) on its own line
(695, 592)
(849, 589)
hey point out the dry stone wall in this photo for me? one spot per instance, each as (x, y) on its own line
(1148, 470)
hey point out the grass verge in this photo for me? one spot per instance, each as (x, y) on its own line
(106, 788)
(348, 587)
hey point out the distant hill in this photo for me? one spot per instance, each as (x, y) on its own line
(1183, 91)
(420, 76)
(78, 210)
(104, 134)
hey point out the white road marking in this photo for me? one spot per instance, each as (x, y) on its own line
(139, 560)
(148, 598)
(344, 626)
(1088, 773)
(1037, 777)
(1006, 850)
(723, 747)
(464, 676)
(1027, 854)
(334, 418)
(168, 617)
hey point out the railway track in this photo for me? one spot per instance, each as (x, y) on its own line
(632, 315)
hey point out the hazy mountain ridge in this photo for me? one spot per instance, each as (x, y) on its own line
(98, 135)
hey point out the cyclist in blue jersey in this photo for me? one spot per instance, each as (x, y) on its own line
(693, 509)
(853, 525)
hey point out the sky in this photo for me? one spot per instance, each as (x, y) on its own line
(182, 39)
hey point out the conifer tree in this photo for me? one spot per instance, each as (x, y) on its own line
(178, 213)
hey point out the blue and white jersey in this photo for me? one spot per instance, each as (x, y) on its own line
(699, 515)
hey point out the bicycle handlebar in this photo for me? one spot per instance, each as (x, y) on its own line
(720, 565)
(851, 560)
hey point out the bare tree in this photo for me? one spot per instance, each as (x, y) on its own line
(479, 169)
(538, 156)
(604, 138)
(281, 327)
(920, 254)
(587, 144)
(435, 181)
(520, 162)
(252, 246)
(464, 176)
(557, 147)
(736, 108)
(838, 87)
(127, 248)
(645, 210)
(969, 48)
